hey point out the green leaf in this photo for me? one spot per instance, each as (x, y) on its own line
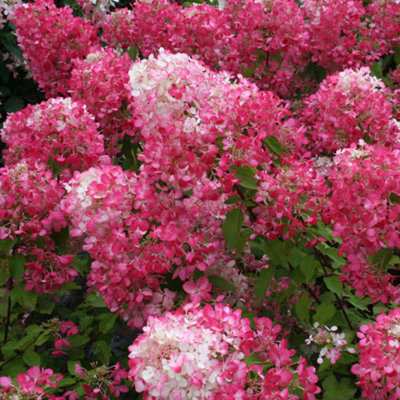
(301, 307)
(233, 199)
(333, 390)
(133, 52)
(6, 245)
(324, 312)
(332, 253)
(258, 246)
(78, 340)
(13, 104)
(71, 366)
(263, 281)
(107, 322)
(60, 238)
(277, 251)
(26, 299)
(219, 282)
(357, 302)
(103, 351)
(253, 359)
(231, 227)
(31, 358)
(66, 382)
(246, 176)
(45, 304)
(397, 56)
(273, 145)
(13, 368)
(43, 338)
(8, 350)
(376, 69)
(85, 322)
(16, 264)
(95, 300)
(308, 266)
(245, 233)
(333, 284)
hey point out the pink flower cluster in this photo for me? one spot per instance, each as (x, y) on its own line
(379, 364)
(36, 383)
(197, 353)
(349, 106)
(100, 82)
(31, 385)
(57, 132)
(366, 217)
(51, 38)
(338, 34)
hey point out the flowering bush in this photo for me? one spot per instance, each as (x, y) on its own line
(202, 202)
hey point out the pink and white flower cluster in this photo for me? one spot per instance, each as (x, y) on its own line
(198, 353)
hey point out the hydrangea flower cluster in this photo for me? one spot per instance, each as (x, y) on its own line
(100, 82)
(197, 353)
(338, 34)
(367, 216)
(29, 201)
(51, 38)
(384, 16)
(378, 368)
(349, 106)
(58, 132)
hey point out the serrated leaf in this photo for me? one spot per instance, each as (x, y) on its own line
(277, 251)
(43, 338)
(263, 281)
(31, 358)
(324, 312)
(107, 322)
(273, 144)
(13, 368)
(333, 283)
(357, 302)
(301, 307)
(66, 382)
(308, 267)
(27, 299)
(103, 351)
(219, 282)
(231, 227)
(78, 340)
(45, 304)
(8, 349)
(95, 300)
(16, 264)
(246, 176)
